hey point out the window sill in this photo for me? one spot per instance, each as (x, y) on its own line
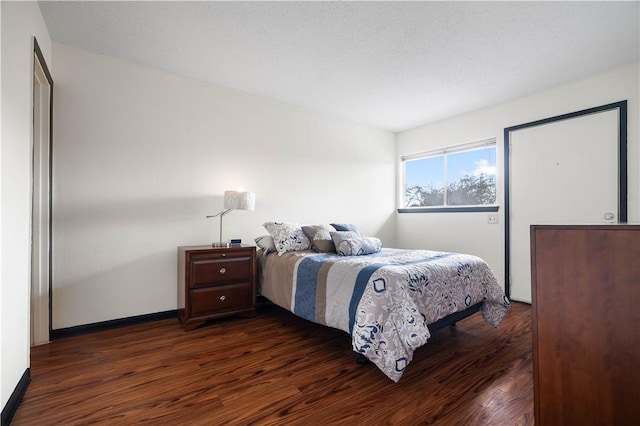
(452, 209)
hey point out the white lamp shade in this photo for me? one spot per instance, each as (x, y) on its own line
(239, 200)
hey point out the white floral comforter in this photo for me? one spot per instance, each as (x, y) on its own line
(385, 300)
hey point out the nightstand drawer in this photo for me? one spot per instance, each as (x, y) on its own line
(221, 298)
(206, 272)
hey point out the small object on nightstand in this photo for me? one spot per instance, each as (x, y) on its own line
(236, 241)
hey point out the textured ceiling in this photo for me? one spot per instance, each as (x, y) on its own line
(392, 65)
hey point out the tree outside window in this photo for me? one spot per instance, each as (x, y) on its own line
(462, 178)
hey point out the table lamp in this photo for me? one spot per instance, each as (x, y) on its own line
(234, 200)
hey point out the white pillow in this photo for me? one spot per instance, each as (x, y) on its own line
(265, 242)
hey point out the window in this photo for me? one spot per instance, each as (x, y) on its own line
(459, 177)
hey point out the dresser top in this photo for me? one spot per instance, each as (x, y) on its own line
(601, 227)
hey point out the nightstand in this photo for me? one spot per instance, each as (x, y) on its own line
(215, 282)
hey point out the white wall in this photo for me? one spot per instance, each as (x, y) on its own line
(469, 232)
(21, 21)
(142, 156)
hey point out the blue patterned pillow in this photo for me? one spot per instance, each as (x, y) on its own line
(287, 237)
(350, 243)
(347, 227)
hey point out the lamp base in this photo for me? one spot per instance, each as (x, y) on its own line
(220, 244)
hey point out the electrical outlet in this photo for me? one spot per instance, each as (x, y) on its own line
(492, 219)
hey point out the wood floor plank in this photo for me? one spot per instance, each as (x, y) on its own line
(279, 369)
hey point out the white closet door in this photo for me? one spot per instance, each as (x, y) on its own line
(564, 172)
(40, 207)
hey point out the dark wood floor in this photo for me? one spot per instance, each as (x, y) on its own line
(279, 369)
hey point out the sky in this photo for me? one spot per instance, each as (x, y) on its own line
(430, 171)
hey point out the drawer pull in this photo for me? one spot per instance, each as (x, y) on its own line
(223, 298)
(223, 271)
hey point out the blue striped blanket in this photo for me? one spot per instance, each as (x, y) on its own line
(385, 300)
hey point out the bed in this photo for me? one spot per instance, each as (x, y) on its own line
(387, 300)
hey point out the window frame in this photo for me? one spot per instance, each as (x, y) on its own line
(484, 143)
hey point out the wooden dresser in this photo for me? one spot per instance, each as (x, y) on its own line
(215, 282)
(586, 324)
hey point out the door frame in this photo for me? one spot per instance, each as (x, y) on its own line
(41, 313)
(621, 107)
